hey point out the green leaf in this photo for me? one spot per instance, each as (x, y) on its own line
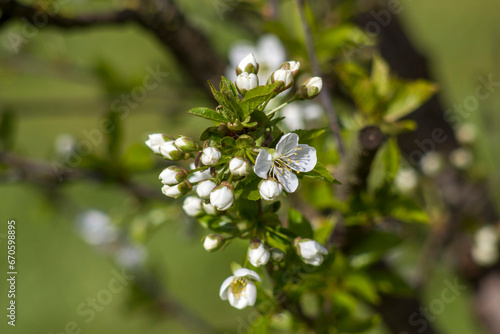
(211, 133)
(228, 87)
(230, 106)
(248, 188)
(208, 114)
(385, 166)
(362, 286)
(260, 325)
(357, 82)
(408, 211)
(254, 98)
(344, 39)
(307, 135)
(356, 324)
(321, 173)
(299, 224)
(380, 76)
(407, 97)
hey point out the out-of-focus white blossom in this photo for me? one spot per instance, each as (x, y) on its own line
(462, 158)
(96, 228)
(485, 248)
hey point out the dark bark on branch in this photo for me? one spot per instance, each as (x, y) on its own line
(190, 47)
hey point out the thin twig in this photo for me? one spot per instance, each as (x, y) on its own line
(326, 100)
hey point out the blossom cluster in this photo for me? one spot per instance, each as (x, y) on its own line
(244, 159)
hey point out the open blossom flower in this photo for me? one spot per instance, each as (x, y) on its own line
(211, 156)
(258, 254)
(289, 156)
(240, 289)
(310, 251)
(270, 189)
(192, 206)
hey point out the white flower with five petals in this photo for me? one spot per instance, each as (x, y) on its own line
(240, 289)
(289, 156)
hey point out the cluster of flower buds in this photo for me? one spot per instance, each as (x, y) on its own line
(237, 154)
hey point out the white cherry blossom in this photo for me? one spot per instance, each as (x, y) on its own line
(289, 156)
(240, 288)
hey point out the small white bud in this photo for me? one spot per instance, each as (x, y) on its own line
(176, 191)
(292, 66)
(285, 76)
(173, 175)
(155, 140)
(222, 196)
(186, 144)
(277, 254)
(169, 151)
(213, 242)
(210, 156)
(239, 167)
(209, 208)
(192, 206)
(248, 64)
(310, 88)
(310, 251)
(246, 81)
(270, 189)
(204, 188)
(258, 254)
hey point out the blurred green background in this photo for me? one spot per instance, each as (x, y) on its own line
(52, 87)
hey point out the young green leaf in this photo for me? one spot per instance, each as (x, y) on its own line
(208, 114)
(407, 98)
(321, 173)
(254, 98)
(299, 224)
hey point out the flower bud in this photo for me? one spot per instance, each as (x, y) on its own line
(277, 255)
(173, 175)
(204, 188)
(209, 208)
(169, 151)
(192, 206)
(310, 251)
(176, 191)
(155, 140)
(236, 126)
(222, 196)
(285, 76)
(270, 189)
(239, 167)
(186, 144)
(210, 156)
(248, 64)
(213, 242)
(310, 89)
(292, 66)
(258, 254)
(246, 81)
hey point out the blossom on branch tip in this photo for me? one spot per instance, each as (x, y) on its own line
(285, 76)
(155, 140)
(210, 156)
(310, 251)
(248, 64)
(310, 89)
(240, 288)
(289, 156)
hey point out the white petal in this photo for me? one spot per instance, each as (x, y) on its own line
(287, 143)
(251, 293)
(289, 181)
(224, 287)
(244, 272)
(315, 260)
(304, 159)
(239, 303)
(263, 163)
